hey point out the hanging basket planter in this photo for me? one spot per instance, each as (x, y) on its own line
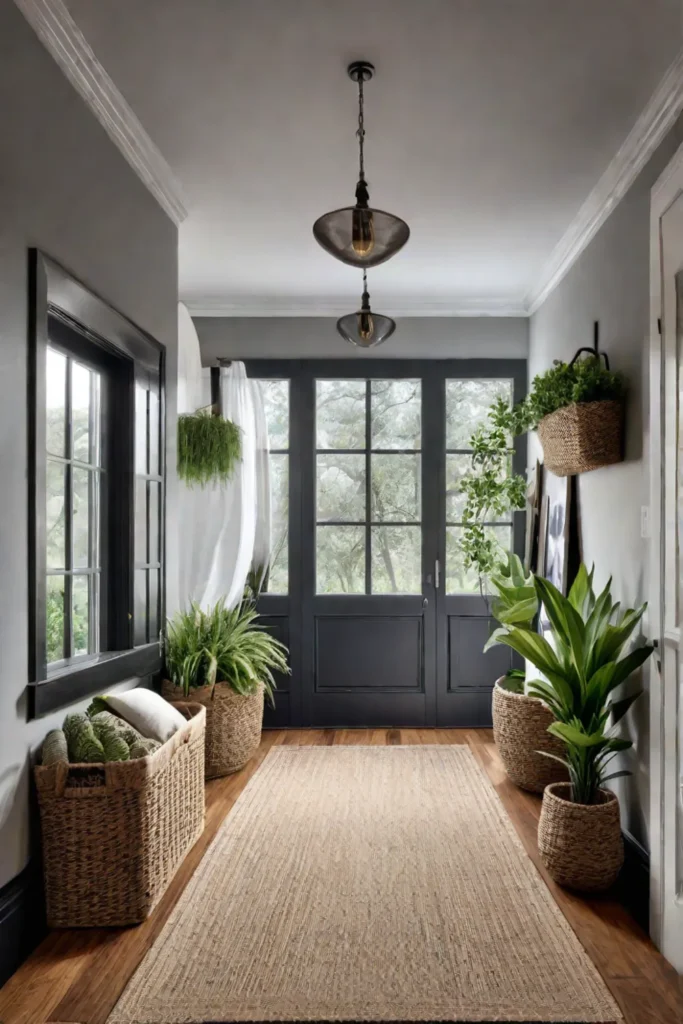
(582, 436)
(209, 448)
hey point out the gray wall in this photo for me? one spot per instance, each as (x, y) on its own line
(65, 188)
(610, 283)
(317, 337)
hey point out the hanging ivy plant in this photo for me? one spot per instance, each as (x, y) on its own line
(209, 448)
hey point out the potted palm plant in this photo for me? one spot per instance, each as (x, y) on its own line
(221, 659)
(583, 667)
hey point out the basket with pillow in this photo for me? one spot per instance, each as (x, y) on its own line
(121, 795)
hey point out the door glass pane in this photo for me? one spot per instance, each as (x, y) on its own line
(80, 411)
(395, 488)
(276, 405)
(467, 406)
(340, 414)
(340, 560)
(140, 608)
(466, 581)
(55, 527)
(278, 577)
(154, 522)
(140, 521)
(341, 488)
(140, 429)
(55, 619)
(457, 467)
(396, 413)
(154, 425)
(80, 623)
(82, 554)
(396, 559)
(55, 401)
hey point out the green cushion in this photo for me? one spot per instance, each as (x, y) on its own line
(129, 734)
(114, 744)
(83, 745)
(55, 748)
(144, 747)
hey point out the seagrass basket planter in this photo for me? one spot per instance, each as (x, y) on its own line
(115, 834)
(520, 725)
(582, 436)
(581, 845)
(233, 724)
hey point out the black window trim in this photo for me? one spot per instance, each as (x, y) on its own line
(53, 292)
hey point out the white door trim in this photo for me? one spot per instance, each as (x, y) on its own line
(664, 903)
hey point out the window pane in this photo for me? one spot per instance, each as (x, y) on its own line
(154, 605)
(55, 401)
(82, 549)
(395, 413)
(140, 521)
(396, 560)
(458, 466)
(340, 413)
(340, 560)
(467, 406)
(154, 531)
(458, 579)
(278, 577)
(55, 619)
(154, 424)
(140, 608)
(140, 429)
(80, 622)
(395, 488)
(80, 411)
(341, 488)
(55, 487)
(276, 404)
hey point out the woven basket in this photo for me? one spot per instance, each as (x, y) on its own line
(115, 834)
(233, 725)
(580, 844)
(520, 725)
(582, 436)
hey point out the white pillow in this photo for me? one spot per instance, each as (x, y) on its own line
(147, 712)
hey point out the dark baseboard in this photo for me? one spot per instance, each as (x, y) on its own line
(22, 919)
(634, 881)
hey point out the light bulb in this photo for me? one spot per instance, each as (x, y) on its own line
(366, 325)
(362, 231)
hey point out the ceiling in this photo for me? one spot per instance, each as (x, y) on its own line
(488, 124)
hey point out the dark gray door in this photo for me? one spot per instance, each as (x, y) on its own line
(367, 586)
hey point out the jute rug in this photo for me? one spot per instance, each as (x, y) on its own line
(366, 884)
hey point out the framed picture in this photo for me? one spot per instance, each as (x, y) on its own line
(533, 516)
(558, 492)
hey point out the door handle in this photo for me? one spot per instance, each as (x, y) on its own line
(425, 602)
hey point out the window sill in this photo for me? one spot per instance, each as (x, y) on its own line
(79, 680)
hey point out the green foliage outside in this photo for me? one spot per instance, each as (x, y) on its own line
(223, 646)
(583, 668)
(209, 448)
(490, 489)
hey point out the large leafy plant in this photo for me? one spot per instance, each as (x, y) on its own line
(223, 645)
(514, 603)
(583, 668)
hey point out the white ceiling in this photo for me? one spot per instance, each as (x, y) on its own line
(488, 124)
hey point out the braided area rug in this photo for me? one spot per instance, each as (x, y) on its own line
(366, 884)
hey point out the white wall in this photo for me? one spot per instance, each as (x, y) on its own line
(317, 338)
(610, 283)
(66, 189)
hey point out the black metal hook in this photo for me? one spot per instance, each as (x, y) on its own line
(594, 350)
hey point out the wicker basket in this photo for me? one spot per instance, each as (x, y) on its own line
(580, 844)
(582, 436)
(233, 725)
(520, 725)
(115, 834)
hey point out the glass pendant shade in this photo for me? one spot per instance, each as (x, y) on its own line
(365, 329)
(361, 237)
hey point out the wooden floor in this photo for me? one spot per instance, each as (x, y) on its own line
(77, 976)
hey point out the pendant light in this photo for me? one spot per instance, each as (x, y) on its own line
(360, 235)
(365, 328)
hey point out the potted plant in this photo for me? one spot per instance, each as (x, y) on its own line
(209, 447)
(520, 720)
(579, 833)
(223, 660)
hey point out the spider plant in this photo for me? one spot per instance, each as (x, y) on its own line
(223, 645)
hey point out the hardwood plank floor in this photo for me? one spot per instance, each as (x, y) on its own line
(76, 977)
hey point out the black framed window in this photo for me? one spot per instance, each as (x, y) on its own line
(96, 493)
(275, 394)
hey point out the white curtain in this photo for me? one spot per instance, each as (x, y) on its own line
(219, 539)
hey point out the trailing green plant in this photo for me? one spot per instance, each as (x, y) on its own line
(582, 667)
(223, 645)
(209, 448)
(492, 491)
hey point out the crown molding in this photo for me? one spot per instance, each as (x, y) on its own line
(656, 120)
(65, 42)
(334, 307)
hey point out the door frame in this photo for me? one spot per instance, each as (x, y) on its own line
(666, 905)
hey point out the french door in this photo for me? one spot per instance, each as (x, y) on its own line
(368, 586)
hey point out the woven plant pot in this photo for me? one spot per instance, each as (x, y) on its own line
(233, 724)
(582, 436)
(115, 834)
(580, 844)
(520, 725)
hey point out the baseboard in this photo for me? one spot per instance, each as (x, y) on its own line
(22, 919)
(634, 881)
